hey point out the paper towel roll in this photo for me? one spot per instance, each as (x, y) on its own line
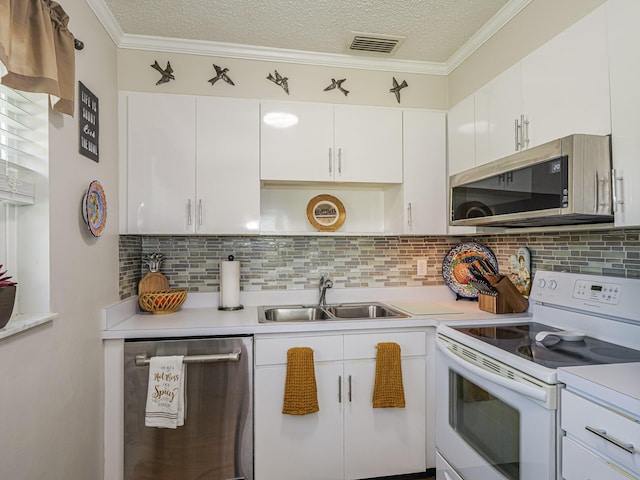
(229, 284)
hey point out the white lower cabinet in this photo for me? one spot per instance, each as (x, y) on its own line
(601, 440)
(347, 438)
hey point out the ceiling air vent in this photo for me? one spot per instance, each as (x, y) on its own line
(375, 43)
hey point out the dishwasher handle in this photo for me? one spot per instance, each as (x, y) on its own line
(143, 360)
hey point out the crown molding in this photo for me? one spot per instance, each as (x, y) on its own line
(499, 20)
(253, 52)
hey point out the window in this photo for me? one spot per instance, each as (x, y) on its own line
(24, 206)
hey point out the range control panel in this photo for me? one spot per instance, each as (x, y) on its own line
(597, 292)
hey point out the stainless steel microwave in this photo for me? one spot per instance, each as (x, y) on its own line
(563, 182)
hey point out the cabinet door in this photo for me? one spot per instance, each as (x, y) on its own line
(461, 145)
(369, 144)
(160, 163)
(461, 136)
(228, 166)
(566, 82)
(624, 37)
(384, 441)
(296, 142)
(291, 447)
(425, 177)
(497, 107)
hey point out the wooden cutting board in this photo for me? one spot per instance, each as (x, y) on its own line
(153, 282)
(424, 308)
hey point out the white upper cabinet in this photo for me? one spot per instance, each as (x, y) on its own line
(228, 165)
(296, 142)
(425, 176)
(161, 163)
(326, 143)
(461, 136)
(368, 144)
(624, 38)
(192, 164)
(566, 82)
(560, 89)
(498, 114)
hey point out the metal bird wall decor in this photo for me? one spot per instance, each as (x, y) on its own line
(221, 73)
(396, 88)
(279, 80)
(337, 84)
(167, 73)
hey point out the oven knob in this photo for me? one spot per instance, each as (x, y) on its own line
(553, 284)
(541, 283)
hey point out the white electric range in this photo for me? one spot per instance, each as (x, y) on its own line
(498, 391)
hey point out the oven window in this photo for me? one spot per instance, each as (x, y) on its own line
(486, 423)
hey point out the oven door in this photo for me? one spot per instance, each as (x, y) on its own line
(491, 427)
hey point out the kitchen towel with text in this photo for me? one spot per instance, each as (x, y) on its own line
(166, 392)
(388, 390)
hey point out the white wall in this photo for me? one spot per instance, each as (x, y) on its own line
(51, 406)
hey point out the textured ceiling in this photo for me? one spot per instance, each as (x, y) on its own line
(435, 29)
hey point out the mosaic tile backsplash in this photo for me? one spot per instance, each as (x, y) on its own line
(296, 262)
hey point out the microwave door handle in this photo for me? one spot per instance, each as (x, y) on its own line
(597, 194)
(520, 388)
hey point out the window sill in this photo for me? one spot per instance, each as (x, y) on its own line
(20, 323)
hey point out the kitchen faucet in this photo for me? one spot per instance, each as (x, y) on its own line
(325, 282)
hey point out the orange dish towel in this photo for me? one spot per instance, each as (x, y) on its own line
(300, 390)
(388, 390)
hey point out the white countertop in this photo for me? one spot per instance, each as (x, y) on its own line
(616, 384)
(427, 306)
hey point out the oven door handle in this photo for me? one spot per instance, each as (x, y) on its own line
(513, 385)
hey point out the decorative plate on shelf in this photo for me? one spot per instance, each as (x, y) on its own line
(326, 213)
(94, 208)
(455, 267)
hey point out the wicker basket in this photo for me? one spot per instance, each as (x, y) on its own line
(167, 301)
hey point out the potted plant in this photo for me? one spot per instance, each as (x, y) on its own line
(7, 297)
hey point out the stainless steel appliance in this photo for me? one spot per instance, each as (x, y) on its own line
(216, 441)
(566, 181)
(498, 394)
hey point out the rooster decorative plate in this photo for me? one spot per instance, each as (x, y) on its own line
(455, 267)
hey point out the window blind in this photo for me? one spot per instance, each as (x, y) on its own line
(23, 144)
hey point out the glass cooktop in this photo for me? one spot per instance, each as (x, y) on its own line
(519, 339)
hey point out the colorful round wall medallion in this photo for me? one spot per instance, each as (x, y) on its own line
(94, 208)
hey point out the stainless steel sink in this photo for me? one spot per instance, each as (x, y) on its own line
(344, 311)
(374, 310)
(292, 314)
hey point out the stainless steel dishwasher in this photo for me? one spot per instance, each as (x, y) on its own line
(216, 441)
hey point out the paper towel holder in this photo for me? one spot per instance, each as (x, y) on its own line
(237, 307)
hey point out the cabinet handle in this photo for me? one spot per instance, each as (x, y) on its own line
(409, 215)
(340, 389)
(524, 125)
(200, 211)
(330, 160)
(349, 388)
(627, 447)
(340, 161)
(614, 190)
(189, 212)
(517, 135)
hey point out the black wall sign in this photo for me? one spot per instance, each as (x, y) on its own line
(89, 127)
